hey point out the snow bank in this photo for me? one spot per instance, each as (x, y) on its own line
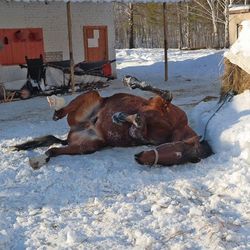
(233, 7)
(193, 75)
(229, 130)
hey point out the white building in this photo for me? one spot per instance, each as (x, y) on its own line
(31, 28)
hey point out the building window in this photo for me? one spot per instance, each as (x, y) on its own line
(55, 56)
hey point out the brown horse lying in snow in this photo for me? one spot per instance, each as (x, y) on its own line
(125, 120)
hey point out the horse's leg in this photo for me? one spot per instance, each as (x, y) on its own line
(44, 141)
(134, 83)
(86, 147)
(89, 143)
(121, 117)
(39, 161)
(79, 109)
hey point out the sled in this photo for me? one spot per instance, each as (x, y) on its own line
(85, 72)
(54, 77)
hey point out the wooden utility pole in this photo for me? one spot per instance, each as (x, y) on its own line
(71, 56)
(165, 27)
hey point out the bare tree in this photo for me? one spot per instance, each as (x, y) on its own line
(188, 33)
(191, 24)
(131, 25)
(209, 9)
(178, 8)
(225, 7)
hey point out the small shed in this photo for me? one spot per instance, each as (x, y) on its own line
(236, 76)
(237, 14)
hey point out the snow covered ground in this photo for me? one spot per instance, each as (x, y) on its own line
(106, 200)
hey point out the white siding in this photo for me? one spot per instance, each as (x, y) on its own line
(52, 18)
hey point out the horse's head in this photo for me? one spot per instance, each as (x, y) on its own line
(168, 154)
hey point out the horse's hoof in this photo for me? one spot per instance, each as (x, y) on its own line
(55, 118)
(168, 96)
(38, 162)
(58, 114)
(130, 82)
(12, 148)
(138, 121)
(119, 117)
(55, 102)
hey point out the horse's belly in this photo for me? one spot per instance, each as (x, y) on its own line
(115, 134)
(119, 136)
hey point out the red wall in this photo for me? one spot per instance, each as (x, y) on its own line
(18, 43)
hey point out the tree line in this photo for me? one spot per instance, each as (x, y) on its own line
(191, 24)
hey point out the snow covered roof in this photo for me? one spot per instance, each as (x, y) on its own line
(239, 52)
(99, 1)
(239, 8)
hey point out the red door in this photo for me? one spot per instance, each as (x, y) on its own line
(6, 47)
(35, 46)
(95, 43)
(15, 44)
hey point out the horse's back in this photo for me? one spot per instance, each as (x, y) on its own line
(123, 102)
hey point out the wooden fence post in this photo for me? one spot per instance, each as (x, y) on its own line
(165, 27)
(71, 56)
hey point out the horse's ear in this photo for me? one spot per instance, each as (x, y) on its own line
(193, 140)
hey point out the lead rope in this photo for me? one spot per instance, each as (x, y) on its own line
(227, 98)
(156, 157)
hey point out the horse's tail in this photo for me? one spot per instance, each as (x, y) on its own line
(43, 141)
